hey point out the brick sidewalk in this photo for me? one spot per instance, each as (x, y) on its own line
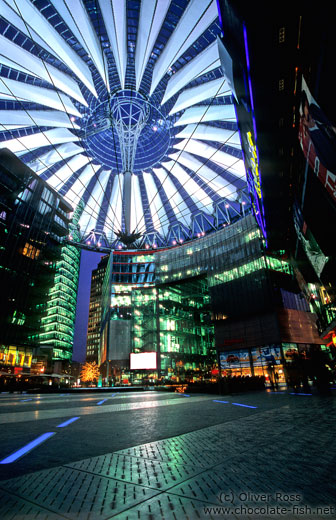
(272, 464)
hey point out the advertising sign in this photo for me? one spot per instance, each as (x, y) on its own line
(313, 251)
(269, 354)
(317, 137)
(143, 361)
(254, 180)
(244, 106)
(234, 359)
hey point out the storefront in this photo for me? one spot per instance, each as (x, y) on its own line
(14, 356)
(268, 361)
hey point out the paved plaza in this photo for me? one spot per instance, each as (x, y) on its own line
(149, 455)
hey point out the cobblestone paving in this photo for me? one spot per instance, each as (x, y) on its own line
(273, 463)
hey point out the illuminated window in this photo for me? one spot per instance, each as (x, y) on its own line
(30, 251)
(18, 318)
(282, 34)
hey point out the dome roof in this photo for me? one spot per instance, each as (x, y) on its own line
(122, 106)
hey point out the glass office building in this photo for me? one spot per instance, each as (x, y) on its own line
(33, 220)
(95, 311)
(220, 299)
(58, 321)
(141, 315)
(174, 321)
(125, 272)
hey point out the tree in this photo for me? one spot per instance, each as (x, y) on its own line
(90, 372)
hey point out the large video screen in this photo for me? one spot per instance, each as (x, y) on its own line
(143, 361)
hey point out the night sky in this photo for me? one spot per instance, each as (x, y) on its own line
(89, 261)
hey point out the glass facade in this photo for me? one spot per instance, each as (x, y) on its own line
(174, 320)
(57, 325)
(33, 220)
(222, 293)
(142, 315)
(231, 245)
(95, 311)
(58, 321)
(126, 272)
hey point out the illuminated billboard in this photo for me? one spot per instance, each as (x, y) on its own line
(244, 105)
(318, 140)
(254, 179)
(234, 359)
(143, 361)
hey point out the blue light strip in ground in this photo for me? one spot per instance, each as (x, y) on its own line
(69, 421)
(299, 393)
(113, 395)
(101, 402)
(215, 401)
(24, 400)
(186, 395)
(245, 405)
(29, 447)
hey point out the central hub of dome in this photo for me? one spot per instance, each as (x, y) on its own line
(129, 108)
(129, 114)
(127, 132)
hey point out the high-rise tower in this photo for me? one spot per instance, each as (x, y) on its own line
(93, 334)
(58, 323)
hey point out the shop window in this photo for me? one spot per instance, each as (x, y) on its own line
(267, 362)
(235, 363)
(28, 360)
(290, 350)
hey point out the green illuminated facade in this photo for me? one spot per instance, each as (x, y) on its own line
(125, 273)
(140, 315)
(145, 330)
(220, 297)
(174, 321)
(58, 321)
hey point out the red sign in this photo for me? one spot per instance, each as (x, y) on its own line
(231, 341)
